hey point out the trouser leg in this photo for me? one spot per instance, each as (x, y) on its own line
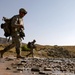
(28, 54)
(31, 52)
(6, 49)
(17, 40)
(18, 48)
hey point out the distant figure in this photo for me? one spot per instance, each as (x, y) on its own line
(31, 46)
(17, 26)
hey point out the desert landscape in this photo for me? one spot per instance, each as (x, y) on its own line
(47, 60)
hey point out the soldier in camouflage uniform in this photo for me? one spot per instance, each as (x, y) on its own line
(17, 27)
(31, 46)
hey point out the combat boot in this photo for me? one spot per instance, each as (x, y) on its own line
(18, 56)
(1, 54)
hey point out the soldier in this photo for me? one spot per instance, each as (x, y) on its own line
(31, 46)
(17, 26)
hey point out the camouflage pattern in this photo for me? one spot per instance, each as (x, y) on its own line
(16, 39)
(31, 46)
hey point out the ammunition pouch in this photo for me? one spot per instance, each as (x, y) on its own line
(2, 25)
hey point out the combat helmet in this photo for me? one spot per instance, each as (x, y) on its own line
(22, 10)
(34, 40)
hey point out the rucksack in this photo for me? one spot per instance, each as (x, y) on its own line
(6, 27)
(31, 45)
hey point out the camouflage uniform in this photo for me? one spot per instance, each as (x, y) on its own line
(16, 28)
(31, 46)
(16, 39)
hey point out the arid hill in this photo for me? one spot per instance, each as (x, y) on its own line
(44, 50)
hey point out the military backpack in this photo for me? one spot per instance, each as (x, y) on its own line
(6, 27)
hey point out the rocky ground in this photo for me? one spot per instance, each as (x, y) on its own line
(37, 66)
(49, 60)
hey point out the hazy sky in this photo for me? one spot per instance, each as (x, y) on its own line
(50, 22)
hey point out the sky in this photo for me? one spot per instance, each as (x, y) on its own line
(49, 22)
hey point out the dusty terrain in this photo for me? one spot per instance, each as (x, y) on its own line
(41, 64)
(37, 66)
